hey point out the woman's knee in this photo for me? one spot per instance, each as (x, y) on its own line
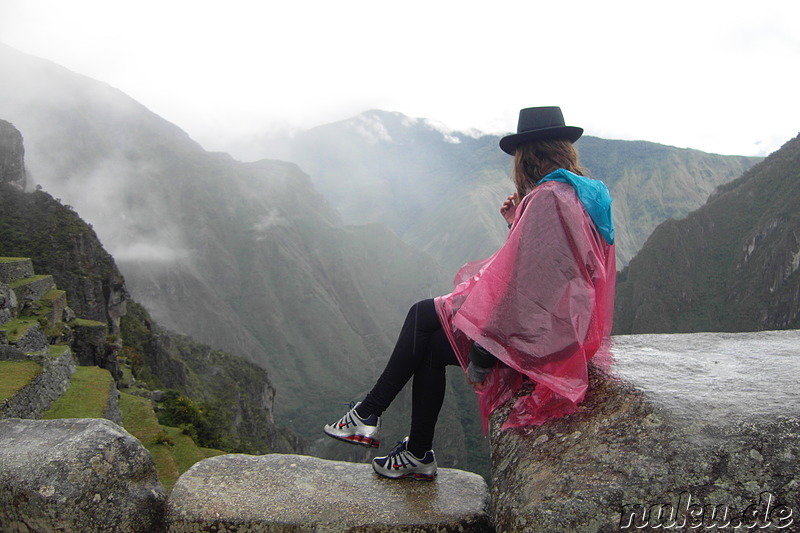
(424, 314)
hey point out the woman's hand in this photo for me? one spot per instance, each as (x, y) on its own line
(509, 208)
(477, 385)
(476, 375)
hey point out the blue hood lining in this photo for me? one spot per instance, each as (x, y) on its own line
(594, 196)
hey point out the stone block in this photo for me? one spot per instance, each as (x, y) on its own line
(86, 475)
(297, 493)
(687, 432)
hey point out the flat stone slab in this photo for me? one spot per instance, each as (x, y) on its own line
(714, 378)
(280, 492)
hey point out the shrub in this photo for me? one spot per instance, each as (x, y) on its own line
(202, 421)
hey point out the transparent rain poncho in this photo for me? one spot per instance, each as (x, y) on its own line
(542, 304)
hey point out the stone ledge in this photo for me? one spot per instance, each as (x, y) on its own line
(36, 397)
(698, 420)
(32, 289)
(15, 268)
(297, 493)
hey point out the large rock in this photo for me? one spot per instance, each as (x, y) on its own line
(8, 306)
(684, 422)
(82, 475)
(296, 493)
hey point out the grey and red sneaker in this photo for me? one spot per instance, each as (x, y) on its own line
(356, 430)
(402, 463)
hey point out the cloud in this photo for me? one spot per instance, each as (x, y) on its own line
(149, 252)
(631, 69)
(272, 219)
(371, 128)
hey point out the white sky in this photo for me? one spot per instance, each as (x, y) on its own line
(719, 76)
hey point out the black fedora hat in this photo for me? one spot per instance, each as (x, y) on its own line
(537, 123)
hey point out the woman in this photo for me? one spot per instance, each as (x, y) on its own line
(535, 312)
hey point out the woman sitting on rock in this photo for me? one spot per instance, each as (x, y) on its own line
(535, 312)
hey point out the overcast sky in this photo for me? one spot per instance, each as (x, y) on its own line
(719, 76)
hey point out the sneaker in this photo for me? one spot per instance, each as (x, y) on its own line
(402, 463)
(356, 430)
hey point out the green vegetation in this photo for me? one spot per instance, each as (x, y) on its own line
(55, 294)
(82, 322)
(204, 423)
(59, 243)
(16, 328)
(57, 349)
(140, 421)
(87, 396)
(209, 390)
(16, 374)
(173, 452)
(20, 282)
(184, 449)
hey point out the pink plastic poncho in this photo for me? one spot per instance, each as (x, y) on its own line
(542, 305)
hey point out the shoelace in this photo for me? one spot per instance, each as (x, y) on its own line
(347, 419)
(400, 457)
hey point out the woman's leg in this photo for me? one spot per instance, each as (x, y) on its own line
(428, 393)
(409, 351)
(422, 351)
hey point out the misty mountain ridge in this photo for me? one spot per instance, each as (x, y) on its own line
(57, 241)
(441, 189)
(245, 257)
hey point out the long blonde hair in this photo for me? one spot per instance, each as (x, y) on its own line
(536, 159)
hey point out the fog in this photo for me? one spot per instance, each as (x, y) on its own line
(715, 76)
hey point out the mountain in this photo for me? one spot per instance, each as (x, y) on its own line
(441, 189)
(247, 258)
(731, 265)
(58, 242)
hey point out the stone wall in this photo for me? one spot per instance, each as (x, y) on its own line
(36, 397)
(112, 411)
(33, 340)
(14, 270)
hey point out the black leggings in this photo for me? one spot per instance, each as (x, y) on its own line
(422, 351)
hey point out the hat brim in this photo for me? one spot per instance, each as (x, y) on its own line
(509, 143)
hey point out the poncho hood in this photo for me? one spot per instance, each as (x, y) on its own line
(542, 304)
(594, 196)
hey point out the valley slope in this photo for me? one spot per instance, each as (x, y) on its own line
(732, 265)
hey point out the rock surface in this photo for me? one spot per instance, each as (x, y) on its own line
(12, 156)
(282, 493)
(684, 421)
(8, 303)
(82, 475)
